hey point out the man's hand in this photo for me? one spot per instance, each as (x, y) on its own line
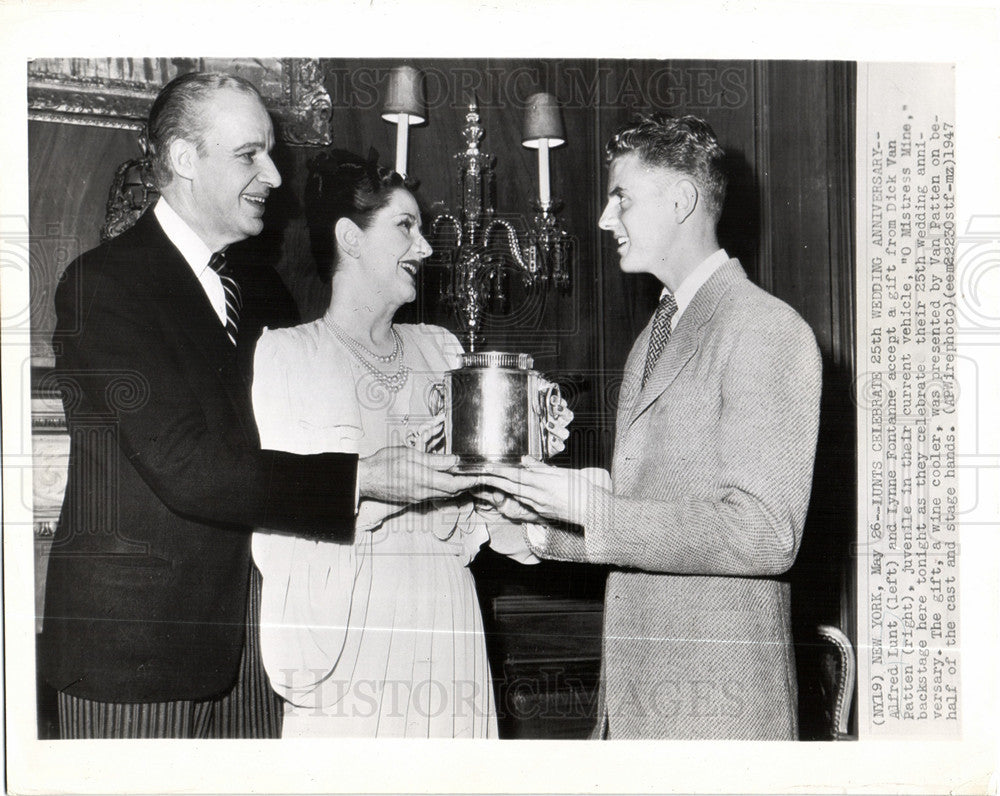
(556, 493)
(406, 475)
(494, 502)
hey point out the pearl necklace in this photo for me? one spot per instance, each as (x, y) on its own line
(393, 382)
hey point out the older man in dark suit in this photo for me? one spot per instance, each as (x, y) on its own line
(716, 434)
(147, 589)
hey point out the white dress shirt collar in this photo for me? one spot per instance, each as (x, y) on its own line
(195, 253)
(692, 284)
(191, 247)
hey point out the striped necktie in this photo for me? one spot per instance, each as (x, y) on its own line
(234, 301)
(659, 334)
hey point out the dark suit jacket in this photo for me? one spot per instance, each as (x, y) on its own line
(147, 583)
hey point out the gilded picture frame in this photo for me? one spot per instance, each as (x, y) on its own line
(117, 92)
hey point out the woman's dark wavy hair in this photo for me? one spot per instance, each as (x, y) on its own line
(343, 185)
(685, 144)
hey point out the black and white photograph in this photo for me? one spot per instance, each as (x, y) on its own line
(616, 399)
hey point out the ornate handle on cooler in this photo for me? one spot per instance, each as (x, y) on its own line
(549, 398)
(437, 402)
(436, 398)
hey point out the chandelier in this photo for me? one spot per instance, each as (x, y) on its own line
(480, 249)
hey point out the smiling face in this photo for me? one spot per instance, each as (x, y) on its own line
(640, 213)
(232, 172)
(392, 249)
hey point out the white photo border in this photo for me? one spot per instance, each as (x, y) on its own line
(965, 35)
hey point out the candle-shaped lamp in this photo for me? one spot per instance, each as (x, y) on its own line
(404, 106)
(543, 130)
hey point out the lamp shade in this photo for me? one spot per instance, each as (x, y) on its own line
(405, 95)
(542, 121)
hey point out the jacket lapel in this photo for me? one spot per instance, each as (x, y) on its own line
(180, 298)
(631, 379)
(684, 341)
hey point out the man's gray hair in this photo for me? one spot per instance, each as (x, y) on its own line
(179, 112)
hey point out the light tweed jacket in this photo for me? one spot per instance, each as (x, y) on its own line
(712, 471)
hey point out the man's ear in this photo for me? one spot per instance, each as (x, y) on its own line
(348, 235)
(685, 199)
(182, 155)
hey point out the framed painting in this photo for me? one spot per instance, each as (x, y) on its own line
(117, 92)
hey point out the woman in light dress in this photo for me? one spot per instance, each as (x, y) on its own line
(382, 637)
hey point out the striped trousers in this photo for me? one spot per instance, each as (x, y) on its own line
(250, 710)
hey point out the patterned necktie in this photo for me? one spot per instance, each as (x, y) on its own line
(234, 301)
(659, 334)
